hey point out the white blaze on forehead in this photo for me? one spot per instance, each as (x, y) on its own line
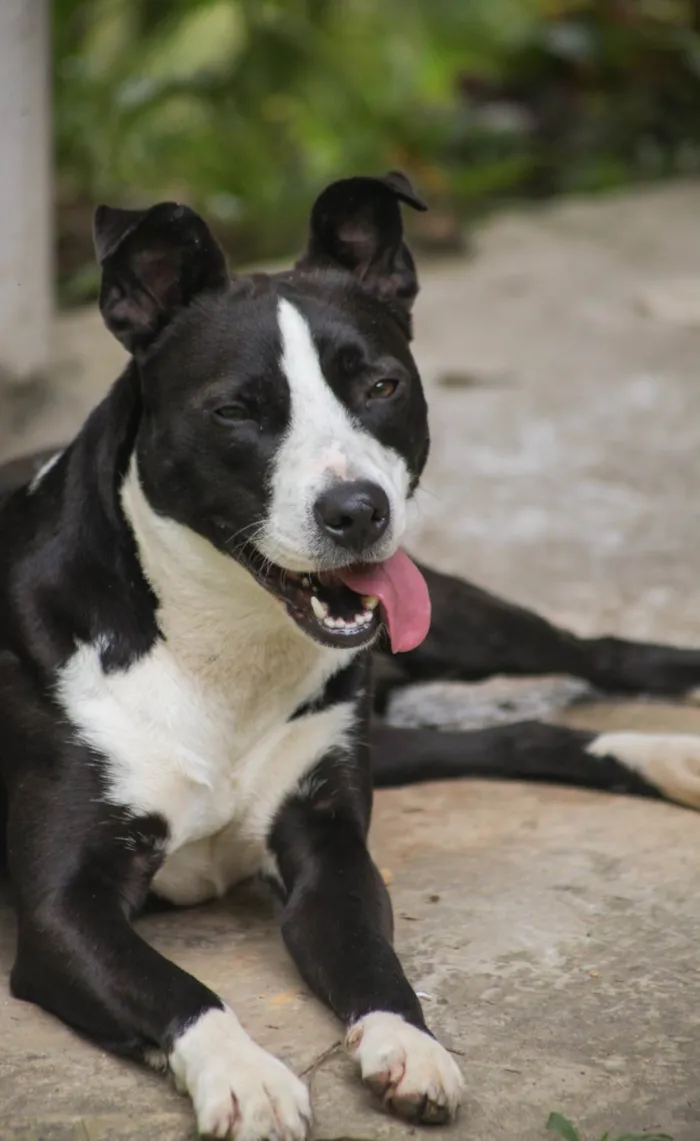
(317, 416)
(323, 444)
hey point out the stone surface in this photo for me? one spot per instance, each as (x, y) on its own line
(554, 932)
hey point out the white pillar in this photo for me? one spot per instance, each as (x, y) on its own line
(26, 270)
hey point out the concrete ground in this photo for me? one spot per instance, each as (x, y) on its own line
(553, 932)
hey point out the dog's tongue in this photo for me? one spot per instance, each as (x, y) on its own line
(403, 594)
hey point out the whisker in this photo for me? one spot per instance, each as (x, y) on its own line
(422, 489)
(254, 528)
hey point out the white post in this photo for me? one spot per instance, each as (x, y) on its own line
(25, 189)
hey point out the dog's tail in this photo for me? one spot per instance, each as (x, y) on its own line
(661, 765)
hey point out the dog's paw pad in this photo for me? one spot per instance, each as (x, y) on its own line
(413, 1074)
(239, 1091)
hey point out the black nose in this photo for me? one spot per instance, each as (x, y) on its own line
(355, 515)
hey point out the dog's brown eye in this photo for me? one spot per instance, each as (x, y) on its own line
(233, 414)
(382, 389)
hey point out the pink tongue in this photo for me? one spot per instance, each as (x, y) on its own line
(402, 591)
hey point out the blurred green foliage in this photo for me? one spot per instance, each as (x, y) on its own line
(245, 108)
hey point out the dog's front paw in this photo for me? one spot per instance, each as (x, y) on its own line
(239, 1091)
(414, 1074)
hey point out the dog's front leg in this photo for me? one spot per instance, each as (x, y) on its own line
(77, 870)
(337, 925)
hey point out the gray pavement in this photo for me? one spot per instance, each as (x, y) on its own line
(554, 932)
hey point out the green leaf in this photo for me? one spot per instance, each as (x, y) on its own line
(561, 1125)
(645, 1137)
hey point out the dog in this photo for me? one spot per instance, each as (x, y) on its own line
(193, 595)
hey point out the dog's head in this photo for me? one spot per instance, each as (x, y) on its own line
(283, 416)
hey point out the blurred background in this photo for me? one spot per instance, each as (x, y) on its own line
(245, 108)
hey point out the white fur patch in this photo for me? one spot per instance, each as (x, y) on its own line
(323, 444)
(238, 1089)
(414, 1074)
(43, 471)
(668, 761)
(198, 728)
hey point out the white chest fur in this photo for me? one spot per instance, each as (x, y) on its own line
(197, 730)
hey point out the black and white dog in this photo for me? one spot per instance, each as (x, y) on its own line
(188, 597)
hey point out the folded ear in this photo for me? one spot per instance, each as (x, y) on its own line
(356, 224)
(154, 262)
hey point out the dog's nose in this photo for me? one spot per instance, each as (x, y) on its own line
(354, 514)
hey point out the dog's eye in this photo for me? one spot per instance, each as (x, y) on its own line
(382, 389)
(233, 414)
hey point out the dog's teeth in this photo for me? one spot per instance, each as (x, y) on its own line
(306, 581)
(340, 623)
(370, 601)
(319, 608)
(367, 617)
(359, 620)
(330, 623)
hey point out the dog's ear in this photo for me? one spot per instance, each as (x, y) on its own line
(356, 223)
(154, 262)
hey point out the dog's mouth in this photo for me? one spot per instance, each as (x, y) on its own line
(346, 607)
